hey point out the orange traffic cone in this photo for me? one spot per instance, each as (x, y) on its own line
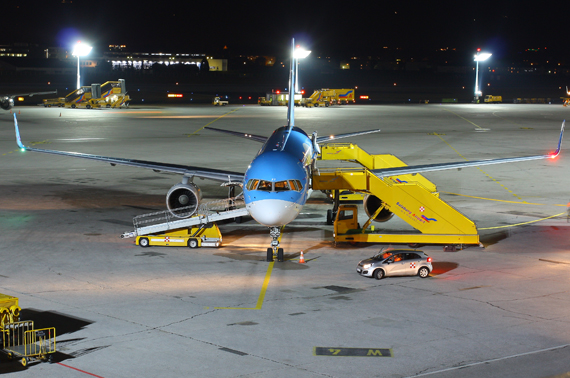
(301, 258)
(60, 114)
(18, 112)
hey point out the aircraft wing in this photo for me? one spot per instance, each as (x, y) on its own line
(257, 138)
(411, 169)
(30, 94)
(262, 139)
(347, 135)
(190, 171)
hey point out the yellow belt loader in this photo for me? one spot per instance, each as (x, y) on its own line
(194, 237)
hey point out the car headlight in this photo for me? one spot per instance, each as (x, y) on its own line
(366, 266)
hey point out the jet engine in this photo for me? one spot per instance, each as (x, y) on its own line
(6, 103)
(183, 199)
(372, 204)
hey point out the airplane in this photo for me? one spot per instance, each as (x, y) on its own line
(277, 182)
(7, 101)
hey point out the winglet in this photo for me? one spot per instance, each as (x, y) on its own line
(555, 153)
(18, 139)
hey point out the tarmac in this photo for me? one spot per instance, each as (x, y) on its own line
(496, 310)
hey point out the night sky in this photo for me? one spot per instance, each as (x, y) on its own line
(339, 28)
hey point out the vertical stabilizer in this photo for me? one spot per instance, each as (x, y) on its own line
(292, 85)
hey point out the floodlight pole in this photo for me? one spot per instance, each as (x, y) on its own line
(78, 50)
(78, 73)
(479, 58)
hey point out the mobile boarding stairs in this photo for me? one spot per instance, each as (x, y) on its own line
(209, 212)
(411, 197)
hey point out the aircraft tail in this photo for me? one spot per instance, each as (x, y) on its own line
(292, 86)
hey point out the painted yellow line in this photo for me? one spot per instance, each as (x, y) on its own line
(465, 119)
(498, 200)
(520, 224)
(208, 124)
(482, 171)
(261, 294)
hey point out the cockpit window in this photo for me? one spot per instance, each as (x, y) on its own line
(281, 186)
(295, 185)
(252, 184)
(265, 186)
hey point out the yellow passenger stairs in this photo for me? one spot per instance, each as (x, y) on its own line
(413, 198)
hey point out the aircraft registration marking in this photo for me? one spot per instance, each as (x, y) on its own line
(352, 352)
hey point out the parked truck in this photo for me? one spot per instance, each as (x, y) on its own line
(493, 99)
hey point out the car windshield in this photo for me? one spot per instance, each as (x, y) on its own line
(382, 256)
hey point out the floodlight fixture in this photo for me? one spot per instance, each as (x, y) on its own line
(298, 53)
(79, 50)
(479, 57)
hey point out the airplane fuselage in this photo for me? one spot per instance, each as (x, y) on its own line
(276, 183)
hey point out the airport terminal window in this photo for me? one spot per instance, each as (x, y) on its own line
(281, 186)
(265, 186)
(252, 184)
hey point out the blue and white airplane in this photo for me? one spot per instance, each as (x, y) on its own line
(277, 182)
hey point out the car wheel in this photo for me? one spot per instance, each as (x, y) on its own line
(192, 243)
(423, 272)
(378, 274)
(143, 242)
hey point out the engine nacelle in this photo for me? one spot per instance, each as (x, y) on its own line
(6, 103)
(183, 199)
(372, 204)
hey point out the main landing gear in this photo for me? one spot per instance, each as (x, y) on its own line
(275, 233)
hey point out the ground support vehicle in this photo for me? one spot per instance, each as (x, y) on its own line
(343, 96)
(78, 97)
(9, 309)
(56, 102)
(279, 99)
(413, 198)
(205, 235)
(326, 97)
(219, 102)
(198, 230)
(21, 341)
(111, 94)
(493, 99)
(396, 262)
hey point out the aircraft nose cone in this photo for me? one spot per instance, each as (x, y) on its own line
(272, 213)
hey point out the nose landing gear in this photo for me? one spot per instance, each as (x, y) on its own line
(275, 233)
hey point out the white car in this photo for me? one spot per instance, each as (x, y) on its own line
(396, 262)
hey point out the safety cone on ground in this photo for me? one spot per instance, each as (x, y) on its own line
(60, 114)
(18, 112)
(301, 258)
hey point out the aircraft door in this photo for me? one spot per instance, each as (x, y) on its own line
(411, 263)
(395, 265)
